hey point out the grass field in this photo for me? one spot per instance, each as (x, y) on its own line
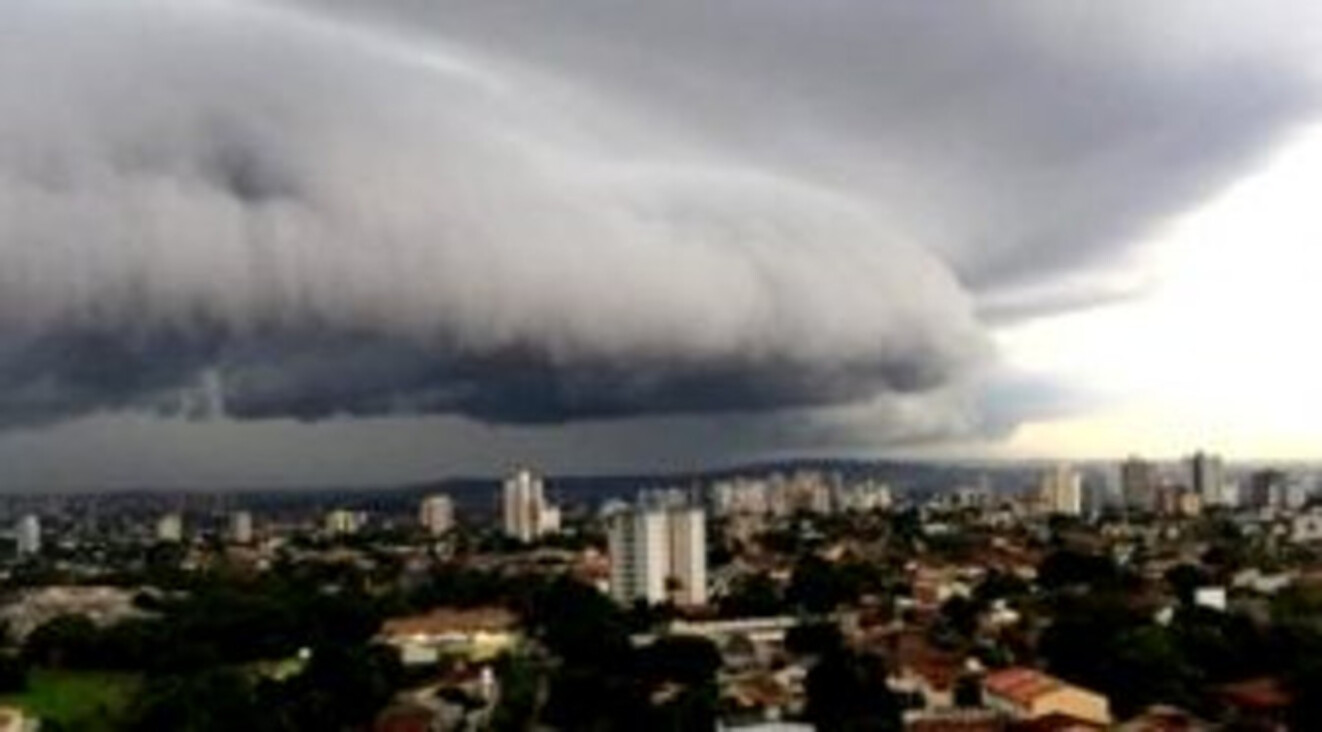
(75, 700)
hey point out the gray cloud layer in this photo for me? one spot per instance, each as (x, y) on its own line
(543, 211)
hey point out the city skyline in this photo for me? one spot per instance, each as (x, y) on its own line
(331, 242)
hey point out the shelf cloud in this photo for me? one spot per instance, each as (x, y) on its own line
(324, 221)
(538, 212)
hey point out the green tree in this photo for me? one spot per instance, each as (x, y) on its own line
(814, 585)
(64, 641)
(968, 692)
(752, 595)
(209, 701)
(520, 682)
(847, 692)
(684, 659)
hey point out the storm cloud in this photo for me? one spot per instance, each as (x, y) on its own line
(539, 212)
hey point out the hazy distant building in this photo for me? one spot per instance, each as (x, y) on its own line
(1230, 494)
(978, 496)
(862, 497)
(658, 554)
(1061, 491)
(1207, 478)
(1097, 495)
(170, 528)
(740, 496)
(1297, 494)
(436, 514)
(27, 536)
(342, 522)
(526, 513)
(665, 497)
(1189, 503)
(240, 530)
(1166, 498)
(1138, 484)
(1266, 489)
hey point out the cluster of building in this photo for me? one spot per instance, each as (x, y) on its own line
(1198, 483)
(1205, 483)
(779, 495)
(525, 512)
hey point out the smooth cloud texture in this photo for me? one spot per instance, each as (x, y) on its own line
(537, 212)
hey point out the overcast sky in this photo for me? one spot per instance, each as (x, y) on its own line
(345, 241)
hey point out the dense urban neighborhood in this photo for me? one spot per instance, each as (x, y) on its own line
(1139, 596)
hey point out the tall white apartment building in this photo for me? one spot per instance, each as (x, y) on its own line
(527, 515)
(436, 514)
(687, 528)
(28, 535)
(1207, 477)
(241, 527)
(1061, 491)
(659, 554)
(1138, 484)
(342, 522)
(170, 528)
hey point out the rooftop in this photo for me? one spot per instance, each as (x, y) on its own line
(1021, 685)
(448, 620)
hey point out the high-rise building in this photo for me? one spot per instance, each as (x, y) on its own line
(341, 522)
(1061, 491)
(1207, 478)
(1138, 484)
(27, 536)
(527, 515)
(638, 544)
(1096, 495)
(1296, 494)
(170, 528)
(1230, 494)
(740, 496)
(241, 527)
(436, 514)
(1189, 503)
(659, 554)
(687, 581)
(1266, 489)
(861, 497)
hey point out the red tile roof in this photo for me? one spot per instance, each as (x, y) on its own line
(1057, 722)
(1263, 694)
(1021, 685)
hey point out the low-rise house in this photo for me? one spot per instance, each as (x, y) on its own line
(1057, 722)
(1260, 702)
(1001, 615)
(1161, 718)
(955, 720)
(758, 697)
(1025, 694)
(1255, 580)
(1306, 528)
(13, 720)
(1212, 598)
(104, 606)
(475, 633)
(919, 669)
(406, 718)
